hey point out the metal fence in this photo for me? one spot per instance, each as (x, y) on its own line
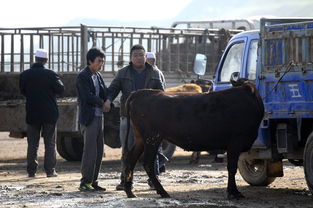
(67, 46)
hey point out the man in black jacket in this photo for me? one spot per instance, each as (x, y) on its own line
(40, 87)
(137, 75)
(91, 92)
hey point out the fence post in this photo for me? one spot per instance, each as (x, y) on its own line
(12, 53)
(2, 53)
(83, 45)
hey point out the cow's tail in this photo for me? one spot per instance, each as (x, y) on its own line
(257, 95)
(126, 150)
(127, 108)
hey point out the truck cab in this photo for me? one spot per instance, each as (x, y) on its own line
(240, 56)
(278, 60)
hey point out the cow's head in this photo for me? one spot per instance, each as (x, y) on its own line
(236, 81)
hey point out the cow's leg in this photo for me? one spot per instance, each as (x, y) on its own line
(150, 151)
(131, 159)
(195, 156)
(216, 158)
(232, 163)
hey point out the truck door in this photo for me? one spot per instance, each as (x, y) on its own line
(232, 61)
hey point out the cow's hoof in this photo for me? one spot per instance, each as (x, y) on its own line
(237, 195)
(130, 194)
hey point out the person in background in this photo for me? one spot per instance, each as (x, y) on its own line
(137, 75)
(151, 59)
(159, 167)
(40, 86)
(92, 94)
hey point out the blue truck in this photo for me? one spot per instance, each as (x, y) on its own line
(278, 58)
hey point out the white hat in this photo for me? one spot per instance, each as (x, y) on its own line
(41, 53)
(150, 55)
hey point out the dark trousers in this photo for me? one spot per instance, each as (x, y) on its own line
(33, 136)
(93, 151)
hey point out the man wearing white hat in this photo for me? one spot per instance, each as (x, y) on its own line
(40, 86)
(151, 58)
(161, 158)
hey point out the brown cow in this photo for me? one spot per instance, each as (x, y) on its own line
(199, 87)
(190, 88)
(185, 88)
(227, 119)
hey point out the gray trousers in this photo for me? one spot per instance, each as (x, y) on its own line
(33, 136)
(93, 150)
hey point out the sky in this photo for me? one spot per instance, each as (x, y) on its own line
(28, 13)
(37, 13)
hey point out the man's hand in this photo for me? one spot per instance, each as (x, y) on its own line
(107, 106)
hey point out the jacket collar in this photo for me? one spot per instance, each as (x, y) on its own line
(89, 71)
(147, 66)
(38, 65)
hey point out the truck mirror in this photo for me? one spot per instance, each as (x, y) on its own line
(199, 66)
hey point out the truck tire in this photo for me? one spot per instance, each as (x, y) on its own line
(308, 162)
(254, 172)
(70, 148)
(168, 149)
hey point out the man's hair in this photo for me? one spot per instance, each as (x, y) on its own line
(40, 60)
(137, 47)
(93, 53)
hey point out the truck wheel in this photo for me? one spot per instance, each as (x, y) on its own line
(254, 172)
(168, 149)
(308, 162)
(70, 148)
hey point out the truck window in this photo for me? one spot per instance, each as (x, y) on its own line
(252, 59)
(233, 62)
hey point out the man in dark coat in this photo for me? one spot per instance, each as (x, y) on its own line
(137, 75)
(91, 92)
(40, 86)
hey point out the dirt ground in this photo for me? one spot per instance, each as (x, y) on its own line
(190, 186)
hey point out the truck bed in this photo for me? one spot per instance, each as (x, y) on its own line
(13, 115)
(287, 70)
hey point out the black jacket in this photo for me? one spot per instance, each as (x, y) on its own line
(40, 87)
(123, 82)
(87, 98)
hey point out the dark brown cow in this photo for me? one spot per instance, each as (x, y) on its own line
(200, 86)
(227, 119)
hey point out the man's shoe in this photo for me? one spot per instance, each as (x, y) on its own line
(98, 188)
(120, 187)
(53, 174)
(31, 175)
(86, 187)
(162, 169)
